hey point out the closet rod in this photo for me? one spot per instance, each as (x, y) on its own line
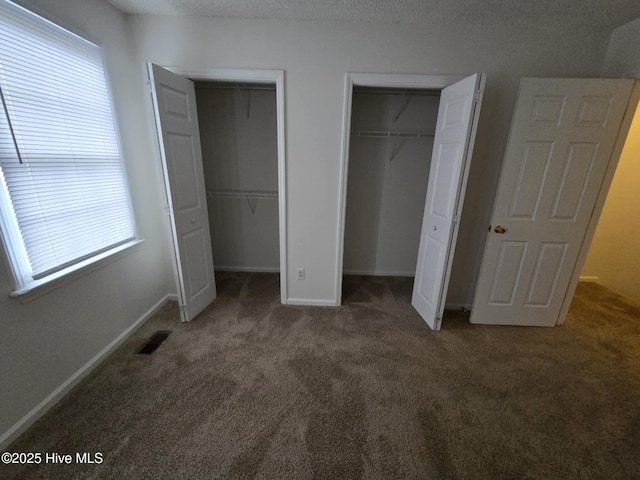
(381, 134)
(250, 194)
(397, 92)
(231, 87)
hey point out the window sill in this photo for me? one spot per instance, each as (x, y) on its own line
(39, 287)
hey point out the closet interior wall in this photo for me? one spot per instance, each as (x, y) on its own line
(238, 133)
(389, 159)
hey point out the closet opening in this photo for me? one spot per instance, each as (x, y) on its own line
(238, 123)
(230, 163)
(390, 147)
(407, 147)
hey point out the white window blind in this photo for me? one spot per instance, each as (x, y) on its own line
(65, 193)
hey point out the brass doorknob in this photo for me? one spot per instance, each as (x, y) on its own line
(499, 229)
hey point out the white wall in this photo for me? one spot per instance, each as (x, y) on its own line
(315, 57)
(385, 198)
(623, 54)
(614, 256)
(45, 341)
(240, 152)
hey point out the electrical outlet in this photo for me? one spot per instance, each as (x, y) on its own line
(301, 274)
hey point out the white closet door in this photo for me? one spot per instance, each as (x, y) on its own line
(177, 123)
(561, 139)
(452, 147)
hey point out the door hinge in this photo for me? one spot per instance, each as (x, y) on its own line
(150, 86)
(167, 209)
(183, 313)
(477, 96)
(456, 219)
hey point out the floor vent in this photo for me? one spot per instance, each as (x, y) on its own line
(153, 343)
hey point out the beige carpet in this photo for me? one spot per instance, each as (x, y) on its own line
(255, 389)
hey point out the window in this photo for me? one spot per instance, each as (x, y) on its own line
(63, 193)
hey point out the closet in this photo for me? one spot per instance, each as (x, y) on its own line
(390, 148)
(238, 134)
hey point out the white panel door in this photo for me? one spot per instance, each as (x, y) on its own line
(177, 123)
(562, 135)
(452, 147)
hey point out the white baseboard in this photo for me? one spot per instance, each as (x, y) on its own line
(312, 303)
(458, 306)
(39, 410)
(589, 278)
(379, 273)
(248, 269)
(333, 303)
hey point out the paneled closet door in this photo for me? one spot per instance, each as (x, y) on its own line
(179, 138)
(452, 147)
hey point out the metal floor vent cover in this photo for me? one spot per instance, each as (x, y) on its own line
(153, 343)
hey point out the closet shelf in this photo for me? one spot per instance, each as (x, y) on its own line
(250, 194)
(380, 134)
(235, 86)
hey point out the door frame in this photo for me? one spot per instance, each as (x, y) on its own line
(433, 82)
(268, 77)
(621, 138)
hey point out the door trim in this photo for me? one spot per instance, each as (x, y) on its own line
(621, 138)
(258, 76)
(435, 82)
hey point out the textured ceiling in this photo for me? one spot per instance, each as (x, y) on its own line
(592, 14)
